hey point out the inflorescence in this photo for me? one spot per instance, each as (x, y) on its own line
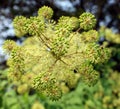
(58, 55)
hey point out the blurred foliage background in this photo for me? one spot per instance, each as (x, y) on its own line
(105, 94)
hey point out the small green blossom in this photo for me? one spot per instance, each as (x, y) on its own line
(9, 45)
(46, 12)
(87, 21)
(34, 25)
(19, 23)
(89, 36)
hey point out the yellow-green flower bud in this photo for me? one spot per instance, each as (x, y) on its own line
(74, 22)
(69, 23)
(46, 12)
(90, 36)
(9, 45)
(19, 23)
(87, 21)
(28, 78)
(88, 74)
(47, 84)
(34, 25)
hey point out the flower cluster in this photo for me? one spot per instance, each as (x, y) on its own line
(58, 54)
(19, 23)
(87, 21)
(46, 12)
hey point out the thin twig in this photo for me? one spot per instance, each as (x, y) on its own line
(63, 62)
(72, 54)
